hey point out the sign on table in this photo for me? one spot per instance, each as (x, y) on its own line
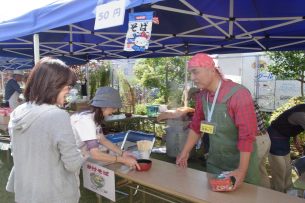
(99, 180)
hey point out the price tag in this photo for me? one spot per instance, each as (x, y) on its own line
(110, 14)
(207, 127)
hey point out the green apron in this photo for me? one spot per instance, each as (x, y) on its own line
(223, 152)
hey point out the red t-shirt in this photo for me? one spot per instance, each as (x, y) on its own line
(241, 110)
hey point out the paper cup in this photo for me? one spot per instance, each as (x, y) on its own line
(144, 154)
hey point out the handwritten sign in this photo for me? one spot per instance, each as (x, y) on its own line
(110, 14)
(99, 180)
(265, 76)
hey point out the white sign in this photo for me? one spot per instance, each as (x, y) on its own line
(285, 90)
(110, 14)
(99, 180)
(266, 95)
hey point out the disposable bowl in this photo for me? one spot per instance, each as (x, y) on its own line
(145, 164)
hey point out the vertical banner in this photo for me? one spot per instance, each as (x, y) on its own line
(139, 31)
(99, 180)
(110, 14)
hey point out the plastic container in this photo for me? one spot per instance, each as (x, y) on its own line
(222, 183)
(162, 108)
(176, 134)
(152, 110)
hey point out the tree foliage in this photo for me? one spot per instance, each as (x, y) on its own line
(288, 65)
(162, 73)
(127, 94)
(99, 75)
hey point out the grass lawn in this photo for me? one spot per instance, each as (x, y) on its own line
(5, 168)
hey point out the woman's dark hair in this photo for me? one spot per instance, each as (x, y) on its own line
(47, 79)
(98, 115)
(99, 119)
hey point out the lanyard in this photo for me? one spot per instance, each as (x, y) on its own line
(210, 111)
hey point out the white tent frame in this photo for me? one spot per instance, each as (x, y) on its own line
(55, 48)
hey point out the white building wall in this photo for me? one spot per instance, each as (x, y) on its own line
(269, 93)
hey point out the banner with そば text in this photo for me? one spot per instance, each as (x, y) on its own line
(139, 31)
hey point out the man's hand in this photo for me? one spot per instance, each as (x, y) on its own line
(241, 172)
(239, 177)
(178, 113)
(181, 159)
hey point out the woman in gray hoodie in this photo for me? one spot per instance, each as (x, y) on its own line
(44, 149)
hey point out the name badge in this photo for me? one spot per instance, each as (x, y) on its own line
(208, 127)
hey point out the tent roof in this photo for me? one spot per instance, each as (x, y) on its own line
(186, 27)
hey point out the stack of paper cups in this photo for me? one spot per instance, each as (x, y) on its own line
(144, 154)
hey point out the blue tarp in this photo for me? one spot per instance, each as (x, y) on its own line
(56, 14)
(186, 27)
(133, 136)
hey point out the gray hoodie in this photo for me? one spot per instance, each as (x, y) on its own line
(45, 155)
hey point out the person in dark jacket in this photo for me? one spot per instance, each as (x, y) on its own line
(13, 90)
(288, 124)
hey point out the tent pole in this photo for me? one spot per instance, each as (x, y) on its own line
(256, 81)
(2, 84)
(36, 47)
(231, 22)
(87, 78)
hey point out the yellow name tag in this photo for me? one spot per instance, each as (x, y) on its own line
(207, 128)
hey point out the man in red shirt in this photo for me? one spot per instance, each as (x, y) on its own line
(225, 111)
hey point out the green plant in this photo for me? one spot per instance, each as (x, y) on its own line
(99, 77)
(127, 94)
(140, 109)
(161, 73)
(159, 100)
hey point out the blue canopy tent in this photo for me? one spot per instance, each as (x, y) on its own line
(57, 13)
(7, 63)
(186, 27)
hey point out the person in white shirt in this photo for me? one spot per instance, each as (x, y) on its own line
(87, 128)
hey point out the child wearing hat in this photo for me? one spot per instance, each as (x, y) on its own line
(87, 128)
